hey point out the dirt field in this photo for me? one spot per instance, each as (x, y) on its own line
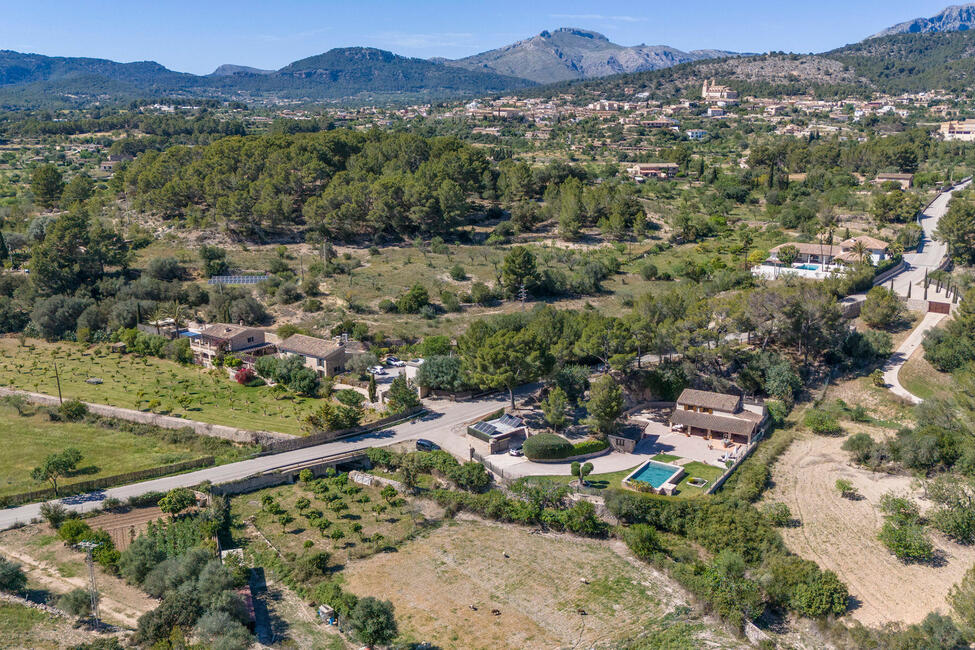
(841, 534)
(23, 627)
(436, 582)
(126, 526)
(51, 566)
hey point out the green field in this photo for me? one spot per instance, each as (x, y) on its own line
(27, 440)
(133, 382)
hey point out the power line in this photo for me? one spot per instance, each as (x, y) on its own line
(92, 589)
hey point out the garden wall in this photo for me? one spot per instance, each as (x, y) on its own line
(164, 421)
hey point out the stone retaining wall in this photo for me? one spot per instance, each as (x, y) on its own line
(163, 421)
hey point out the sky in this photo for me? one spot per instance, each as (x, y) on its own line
(198, 36)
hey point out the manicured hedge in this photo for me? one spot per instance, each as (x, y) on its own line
(548, 446)
(588, 447)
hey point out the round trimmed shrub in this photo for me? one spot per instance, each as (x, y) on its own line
(547, 446)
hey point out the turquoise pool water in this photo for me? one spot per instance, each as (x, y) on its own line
(654, 473)
(808, 267)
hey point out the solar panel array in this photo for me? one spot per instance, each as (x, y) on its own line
(237, 279)
(485, 428)
(510, 421)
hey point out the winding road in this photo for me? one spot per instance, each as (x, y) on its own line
(929, 256)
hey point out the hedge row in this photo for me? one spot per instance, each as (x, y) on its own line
(548, 446)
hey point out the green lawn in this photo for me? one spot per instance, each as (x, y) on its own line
(595, 481)
(698, 470)
(133, 382)
(27, 440)
(665, 458)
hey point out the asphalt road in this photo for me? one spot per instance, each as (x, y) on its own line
(445, 424)
(932, 250)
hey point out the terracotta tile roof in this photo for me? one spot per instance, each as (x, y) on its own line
(709, 399)
(224, 330)
(716, 423)
(309, 346)
(872, 243)
(810, 248)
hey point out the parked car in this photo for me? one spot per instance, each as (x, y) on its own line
(377, 370)
(422, 444)
(516, 451)
(396, 363)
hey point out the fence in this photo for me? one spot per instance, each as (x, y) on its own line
(106, 481)
(279, 446)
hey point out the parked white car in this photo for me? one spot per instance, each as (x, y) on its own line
(396, 363)
(377, 370)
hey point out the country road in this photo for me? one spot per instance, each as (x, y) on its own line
(445, 424)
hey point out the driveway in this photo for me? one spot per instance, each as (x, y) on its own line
(930, 252)
(897, 360)
(445, 424)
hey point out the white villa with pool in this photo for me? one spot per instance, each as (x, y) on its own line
(818, 260)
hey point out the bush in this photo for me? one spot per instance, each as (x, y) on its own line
(823, 423)
(311, 305)
(54, 514)
(547, 446)
(76, 602)
(778, 514)
(73, 530)
(458, 273)
(642, 540)
(588, 447)
(73, 410)
(372, 621)
(245, 376)
(12, 577)
(908, 542)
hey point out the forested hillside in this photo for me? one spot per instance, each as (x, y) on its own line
(341, 182)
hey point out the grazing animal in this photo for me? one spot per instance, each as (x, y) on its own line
(496, 612)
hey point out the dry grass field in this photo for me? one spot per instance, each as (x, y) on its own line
(841, 534)
(445, 585)
(52, 566)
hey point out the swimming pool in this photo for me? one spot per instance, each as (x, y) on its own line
(654, 473)
(808, 267)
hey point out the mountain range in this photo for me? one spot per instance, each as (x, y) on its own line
(571, 53)
(956, 18)
(936, 52)
(342, 73)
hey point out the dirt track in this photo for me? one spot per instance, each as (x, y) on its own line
(120, 603)
(841, 534)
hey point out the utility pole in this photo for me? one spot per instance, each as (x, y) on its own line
(57, 378)
(92, 590)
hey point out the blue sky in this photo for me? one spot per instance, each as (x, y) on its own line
(197, 36)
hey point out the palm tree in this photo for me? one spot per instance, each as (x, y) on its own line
(859, 250)
(176, 311)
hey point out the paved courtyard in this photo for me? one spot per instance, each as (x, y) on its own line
(658, 439)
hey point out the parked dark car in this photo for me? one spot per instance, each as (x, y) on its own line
(426, 445)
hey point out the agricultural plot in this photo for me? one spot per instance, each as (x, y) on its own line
(135, 382)
(23, 627)
(548, 590)
(124, 527)
(346, 520)
(841, 534)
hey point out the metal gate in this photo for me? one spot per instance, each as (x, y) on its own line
(939, 307)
